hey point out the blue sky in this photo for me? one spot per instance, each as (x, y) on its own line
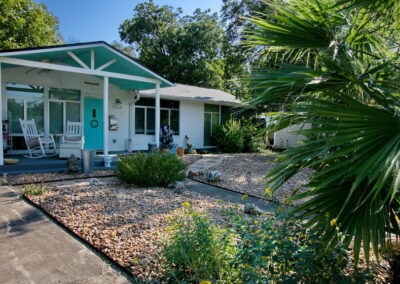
(92, 20)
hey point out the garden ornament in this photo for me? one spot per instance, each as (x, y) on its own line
(214, 176)
(72, 164)
(94, 181)
(179, 187)
(166, 139)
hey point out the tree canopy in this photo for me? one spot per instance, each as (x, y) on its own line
(185, 49)
(24, 23)
(127, 49)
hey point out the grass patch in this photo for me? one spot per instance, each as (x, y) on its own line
(33, 189)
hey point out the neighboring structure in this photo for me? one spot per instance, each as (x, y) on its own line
(121, 103)
(286, 138)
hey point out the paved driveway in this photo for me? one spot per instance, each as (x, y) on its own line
(35, 250)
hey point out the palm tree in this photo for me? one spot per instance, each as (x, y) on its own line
(350, 95)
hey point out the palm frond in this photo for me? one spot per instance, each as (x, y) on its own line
(350, 100)
(373, 5)
(357, 157)
(294, 27)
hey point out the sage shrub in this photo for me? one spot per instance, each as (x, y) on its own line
(151, 169)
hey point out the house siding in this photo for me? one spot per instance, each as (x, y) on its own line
(285, 138)
(191, 112)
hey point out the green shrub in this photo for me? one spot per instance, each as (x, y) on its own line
(229, 137)
(236, 136)
(279, 249)
(33, 189)
(254, 135)
(151, 169)
(197, 250)
(266, 249)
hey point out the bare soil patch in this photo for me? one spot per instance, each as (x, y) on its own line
(125, 222)
(245, 173)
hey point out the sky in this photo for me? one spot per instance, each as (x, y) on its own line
(94, 20)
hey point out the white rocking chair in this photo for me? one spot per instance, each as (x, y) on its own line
(72, 142)
(36, 143)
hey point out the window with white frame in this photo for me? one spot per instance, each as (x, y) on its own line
(145, 115)
(23, 102)
(64, 105)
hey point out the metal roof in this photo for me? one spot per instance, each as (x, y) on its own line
(186, 92)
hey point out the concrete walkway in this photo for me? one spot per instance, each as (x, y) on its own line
(35, 250)
(228, 196)
(207, 161)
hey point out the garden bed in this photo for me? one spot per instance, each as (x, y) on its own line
(130, 224)
(59, 176)
(126, 223)
(244, 173)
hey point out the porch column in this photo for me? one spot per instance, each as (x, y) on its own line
(46, 112)
(107, 160)
(157, 115)
(1, 120)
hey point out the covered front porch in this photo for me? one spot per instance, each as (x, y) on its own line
(91, 83)
(50, 164)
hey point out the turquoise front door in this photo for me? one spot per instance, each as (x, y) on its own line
(93, 123)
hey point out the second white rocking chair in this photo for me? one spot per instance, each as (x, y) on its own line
(36, 143)
(72, 142)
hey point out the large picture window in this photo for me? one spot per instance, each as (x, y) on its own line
(24, 102)
(28, 101)
(145, 115)
(65, 105)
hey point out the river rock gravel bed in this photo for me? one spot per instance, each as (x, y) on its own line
(49, 177)
(125, 222)
(244, 173)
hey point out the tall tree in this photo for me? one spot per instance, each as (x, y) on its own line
(127, 49)
(350, 99)
(185, 49)
(23, 23)
(239, 58)
(242, 58)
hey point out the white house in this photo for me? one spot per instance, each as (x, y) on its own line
(95, 84)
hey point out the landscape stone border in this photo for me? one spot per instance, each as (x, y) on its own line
(238, 192)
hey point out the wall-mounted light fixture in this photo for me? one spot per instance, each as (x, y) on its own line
(118, 104)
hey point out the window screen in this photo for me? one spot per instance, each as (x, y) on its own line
(139, 120)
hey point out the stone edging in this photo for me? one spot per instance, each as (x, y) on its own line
(234, 191)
